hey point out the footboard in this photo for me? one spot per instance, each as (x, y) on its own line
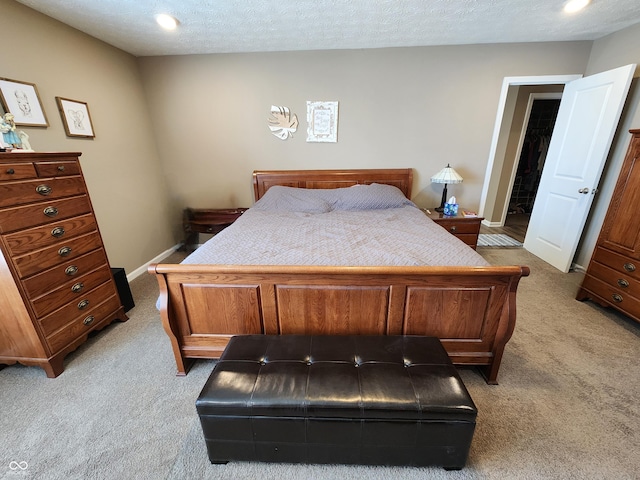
(471, 309)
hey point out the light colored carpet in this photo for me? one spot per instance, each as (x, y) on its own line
(567, 406)
(497, 240)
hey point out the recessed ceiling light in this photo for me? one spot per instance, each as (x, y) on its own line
(573, 6)
(166, 21)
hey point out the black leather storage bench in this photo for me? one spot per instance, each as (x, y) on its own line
(377, 400)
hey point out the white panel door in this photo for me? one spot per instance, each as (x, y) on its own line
(587, 119)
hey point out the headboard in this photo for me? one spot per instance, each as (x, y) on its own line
(398, 177)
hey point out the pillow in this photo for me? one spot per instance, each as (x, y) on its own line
(290, 199)
(376, 196)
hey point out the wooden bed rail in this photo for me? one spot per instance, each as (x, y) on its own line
(471, 309)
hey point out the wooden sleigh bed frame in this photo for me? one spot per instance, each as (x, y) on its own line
(472, 310)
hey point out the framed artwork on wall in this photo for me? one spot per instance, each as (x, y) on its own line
(21, 99)
(75, 118)
(322, 120)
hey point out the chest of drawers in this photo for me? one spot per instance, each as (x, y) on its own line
(56, 284)
(613, 276)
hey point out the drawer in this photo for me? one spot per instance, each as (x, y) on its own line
(17, 218)
(75, 293)
(460, 227)
(70, 312)
(469, 239)
(14, 193)
(619, 263)
(616, 280)
(57, 169)
(214, 216)
(62, 252)
(208, 228)
(39, 237)
(63, 275)
(17, 171)
(614, 296)
(82, 324)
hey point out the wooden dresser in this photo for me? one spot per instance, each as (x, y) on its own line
(55, 281)
(613, 276)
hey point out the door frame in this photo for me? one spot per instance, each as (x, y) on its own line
(492, 189)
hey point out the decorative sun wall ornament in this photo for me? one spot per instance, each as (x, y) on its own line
(281, 124)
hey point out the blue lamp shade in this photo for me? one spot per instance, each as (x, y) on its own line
(447, 175)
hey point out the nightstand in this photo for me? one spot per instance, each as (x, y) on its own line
(206, 220)
(465, 228)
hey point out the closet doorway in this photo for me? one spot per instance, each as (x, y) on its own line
(540, 118)
(514, 109)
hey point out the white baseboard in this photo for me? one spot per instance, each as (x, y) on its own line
(487, 223)
(143, 269)
(578, 268)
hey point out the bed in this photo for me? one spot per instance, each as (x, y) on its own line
(268, 273)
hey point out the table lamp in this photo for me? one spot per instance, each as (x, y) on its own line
(447, 175)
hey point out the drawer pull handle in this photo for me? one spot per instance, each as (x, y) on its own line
(83, 304)
(623, 283)
(89, 320)
(453, 228)
(629, 267)
(77, 287)
(61, 168)
(11, 171)
(50, 211)
(57, 232)
(43, 189)
(64, 251)
(71, 270)
(617, 297)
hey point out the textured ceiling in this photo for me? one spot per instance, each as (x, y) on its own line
(219, 26)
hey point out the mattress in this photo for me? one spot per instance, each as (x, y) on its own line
(372, 225)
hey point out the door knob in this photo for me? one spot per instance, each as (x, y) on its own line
(584, 190)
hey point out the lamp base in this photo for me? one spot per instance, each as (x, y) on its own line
(440, 209)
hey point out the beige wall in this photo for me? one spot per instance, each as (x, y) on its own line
(127, 189)
(418, 107)
(621, 48)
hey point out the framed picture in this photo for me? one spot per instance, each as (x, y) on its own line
(75, 118)
(322, 119)
(22, 100)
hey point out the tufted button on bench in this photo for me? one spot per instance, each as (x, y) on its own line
(375, 400)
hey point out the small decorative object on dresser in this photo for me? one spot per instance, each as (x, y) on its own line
(466, 228)
(12, 138)
(613, 276)
(206, 220)
(56, 285)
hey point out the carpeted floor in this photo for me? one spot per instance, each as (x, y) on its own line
(566, 408)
